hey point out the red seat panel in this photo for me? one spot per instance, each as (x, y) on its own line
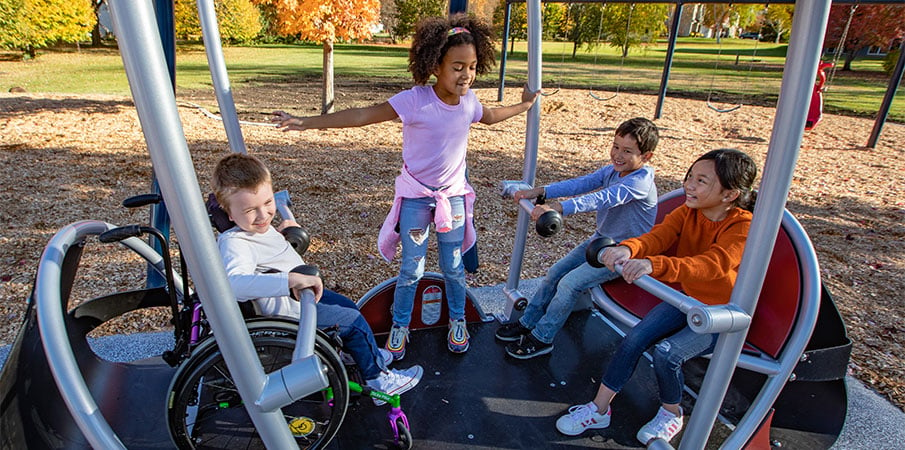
(776, 308)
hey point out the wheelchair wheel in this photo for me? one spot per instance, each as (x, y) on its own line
(205, 410)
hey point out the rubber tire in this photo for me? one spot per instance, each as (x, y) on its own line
(267, 336)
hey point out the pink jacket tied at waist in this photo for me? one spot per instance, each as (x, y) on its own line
(408, 187)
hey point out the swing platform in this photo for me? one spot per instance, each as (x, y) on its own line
(480, 399)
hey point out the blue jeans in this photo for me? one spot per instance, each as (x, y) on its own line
(554, 300)
(677, 344)
(415, 217)
(337, 310)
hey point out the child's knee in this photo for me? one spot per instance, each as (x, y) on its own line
(665, 355)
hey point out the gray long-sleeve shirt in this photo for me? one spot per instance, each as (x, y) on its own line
(626, 206)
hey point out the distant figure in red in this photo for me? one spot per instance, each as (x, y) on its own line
(815, 112)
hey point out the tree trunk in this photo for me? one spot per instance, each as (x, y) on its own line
(849, 57)
(96, 31)
(327, 106)
(96, 36)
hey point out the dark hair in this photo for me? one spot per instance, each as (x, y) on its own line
(735, 170)
(644, 131)
(237, 171)
(433, 38)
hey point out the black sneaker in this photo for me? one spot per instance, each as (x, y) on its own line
(528, 347)
(511, 332)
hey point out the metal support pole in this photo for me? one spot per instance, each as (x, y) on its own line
(531, 142)
(158, 216)
(808, 28)
(504, 52)
(667, 64)
(887, 99)
(457, 6)
(155, 101)
(210, 29)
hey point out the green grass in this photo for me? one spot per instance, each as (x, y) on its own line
(742, 71)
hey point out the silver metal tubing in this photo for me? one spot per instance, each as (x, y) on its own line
(808, 28)
(139, 43)
(210, 30)
(532, 130)
(284, 205)
(756, 363)
(57, 347)
(802, 329)
(304, 341)
(305, 375)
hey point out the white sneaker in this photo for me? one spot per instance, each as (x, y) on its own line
(395, 381)
(665, 425)
(386, 356)
(581, 418)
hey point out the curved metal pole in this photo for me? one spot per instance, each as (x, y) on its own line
(808, 28)
(504, 51)
(210, 30)
(60, 358)
(155, 102)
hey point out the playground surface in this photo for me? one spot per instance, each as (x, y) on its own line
(66, 158)
(871, 421)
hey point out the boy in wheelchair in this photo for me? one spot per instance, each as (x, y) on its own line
(258, 262)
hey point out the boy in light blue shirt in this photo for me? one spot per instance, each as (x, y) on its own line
(624, 196)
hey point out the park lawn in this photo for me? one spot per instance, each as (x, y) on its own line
(742, 70)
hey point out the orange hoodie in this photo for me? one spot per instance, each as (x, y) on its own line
(707, 253)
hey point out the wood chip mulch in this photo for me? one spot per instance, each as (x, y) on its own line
(68, 158)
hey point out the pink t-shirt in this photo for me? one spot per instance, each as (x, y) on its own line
(434, 134)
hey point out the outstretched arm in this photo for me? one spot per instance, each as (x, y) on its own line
(494, 115)
(353, 117)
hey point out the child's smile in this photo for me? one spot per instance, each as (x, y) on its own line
(253, 210)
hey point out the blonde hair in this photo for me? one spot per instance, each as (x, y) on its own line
(235, 172)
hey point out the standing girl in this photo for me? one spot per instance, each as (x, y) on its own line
(432, 186)
(710, 230)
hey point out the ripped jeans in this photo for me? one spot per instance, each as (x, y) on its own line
(676, 343)
(415, 218)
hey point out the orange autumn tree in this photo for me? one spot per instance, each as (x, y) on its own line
(326, 21)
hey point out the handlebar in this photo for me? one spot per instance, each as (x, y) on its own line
(548, 224)
(701, 318)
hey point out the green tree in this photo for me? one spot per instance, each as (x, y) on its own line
(626, 26)
(553, 21)
(518, 22)
(29, 25)
(409, 12)
(777, 21)
(749, 17)
(239, 20)
(718, 17)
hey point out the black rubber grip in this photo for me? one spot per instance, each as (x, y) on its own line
(120, 233)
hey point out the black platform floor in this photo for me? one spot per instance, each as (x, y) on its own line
(486, 399)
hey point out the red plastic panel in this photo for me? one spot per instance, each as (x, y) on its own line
(776, 308)
(377, 308)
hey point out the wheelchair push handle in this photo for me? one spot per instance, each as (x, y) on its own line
(549, 223)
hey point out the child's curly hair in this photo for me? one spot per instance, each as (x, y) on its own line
(433, 39)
